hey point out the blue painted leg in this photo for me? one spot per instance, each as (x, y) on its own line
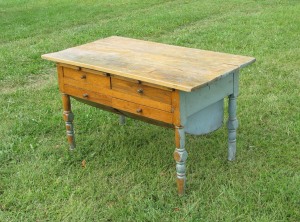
(180, 156)
(122, 120)
(232, 126)
(68, 117)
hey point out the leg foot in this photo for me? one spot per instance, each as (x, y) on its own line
(232, 126)
(68, 117)
(122, 120)
(180, 156)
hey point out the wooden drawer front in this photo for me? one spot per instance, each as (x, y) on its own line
(134, 88)
(142, 110)
(86, 80)
(88, 95)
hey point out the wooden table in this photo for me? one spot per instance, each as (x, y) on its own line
(172, 86)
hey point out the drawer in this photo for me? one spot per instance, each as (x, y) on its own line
(151, 95)
(88, 95)
(85, 79)
(142, 110)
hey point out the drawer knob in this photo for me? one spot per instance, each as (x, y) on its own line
(139, 110)
(83, 76)
(85, 95)
(140, 91)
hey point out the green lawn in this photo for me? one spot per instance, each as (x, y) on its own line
(130, 171)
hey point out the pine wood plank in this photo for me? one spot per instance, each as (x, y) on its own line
(192, 54)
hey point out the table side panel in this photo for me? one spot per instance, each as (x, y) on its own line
(199, 99)
(206, 120)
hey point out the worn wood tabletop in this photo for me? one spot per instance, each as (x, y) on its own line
(166, 65)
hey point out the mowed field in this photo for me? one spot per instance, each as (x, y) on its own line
(129, 173)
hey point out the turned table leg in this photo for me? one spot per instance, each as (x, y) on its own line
(180, 156)
(121, 119)
(232, 126)
(68, 117)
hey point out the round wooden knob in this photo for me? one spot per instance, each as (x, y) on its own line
(83, 76)
(139, 110)
(85, 95)
(140, 91)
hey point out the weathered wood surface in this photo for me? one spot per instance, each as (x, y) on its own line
(171, 66)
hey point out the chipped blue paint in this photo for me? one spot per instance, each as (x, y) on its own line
(180, 156)
(206, 120)
(202, 111)
(232, 126)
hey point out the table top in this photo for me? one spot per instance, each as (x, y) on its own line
(171, 66)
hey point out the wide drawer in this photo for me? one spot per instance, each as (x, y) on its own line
(157, 97)
(85, 79)
(88, 95)
(142, 110)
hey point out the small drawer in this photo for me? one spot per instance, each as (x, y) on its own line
(86, 80)
(88, 95)
(142, 90)
(142, 110)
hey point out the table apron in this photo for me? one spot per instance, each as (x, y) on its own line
(201, 98)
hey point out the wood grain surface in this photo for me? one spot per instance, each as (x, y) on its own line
(175, 67)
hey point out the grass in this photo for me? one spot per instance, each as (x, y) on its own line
(129, 173)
